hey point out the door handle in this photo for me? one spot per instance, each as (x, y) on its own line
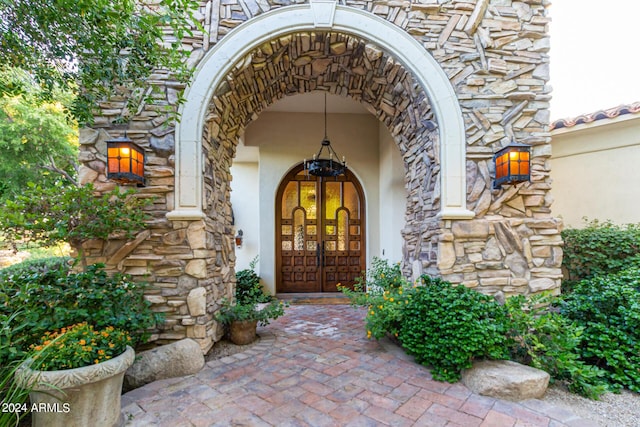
(317, 254)
(323, 254)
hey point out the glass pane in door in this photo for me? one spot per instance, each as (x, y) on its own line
(298, 230)
(289, 199)
(308, 198)
(343, 221)
(351, 200)
(332, 199)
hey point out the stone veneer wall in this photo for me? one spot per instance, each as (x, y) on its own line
(495, 54)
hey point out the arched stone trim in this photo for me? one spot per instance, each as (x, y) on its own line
(217, 63)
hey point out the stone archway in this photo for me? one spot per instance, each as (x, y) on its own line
(227, 54)
(494, 91)
(341, 64)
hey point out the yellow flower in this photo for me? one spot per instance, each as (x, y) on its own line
(372, 312)
(368, 334)
(391, 299)
(82, 342)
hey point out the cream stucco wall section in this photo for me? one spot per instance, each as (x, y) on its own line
(393, 198)
(595, 171)
(244, 200)
(217, 63)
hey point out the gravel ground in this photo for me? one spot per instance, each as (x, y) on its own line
(612, 410)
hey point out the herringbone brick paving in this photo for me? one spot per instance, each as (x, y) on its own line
(315, 367)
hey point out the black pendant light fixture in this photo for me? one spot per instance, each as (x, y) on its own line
(325, 167)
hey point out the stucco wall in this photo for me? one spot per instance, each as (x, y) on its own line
(245, 188)
(595, 171)
(393, 199)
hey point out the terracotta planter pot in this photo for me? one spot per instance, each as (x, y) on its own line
(243, 331)
(87, 396)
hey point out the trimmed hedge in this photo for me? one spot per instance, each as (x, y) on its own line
(599, 249)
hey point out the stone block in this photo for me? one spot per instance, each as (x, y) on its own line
(197, 302)
(446, 255)
(197, 235)
(197, 268)
(494, 281)
(504, 379)
(88, 136)
(184, 357)
(197, 331)
(86, 175)
(478, 229)
(543, 284)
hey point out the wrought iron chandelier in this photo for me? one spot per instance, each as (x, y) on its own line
(325, 167)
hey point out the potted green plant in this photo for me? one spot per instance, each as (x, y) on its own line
(250, 307)
(242, 319)
(76, 373)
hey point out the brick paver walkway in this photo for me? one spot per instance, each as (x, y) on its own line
(315, 367)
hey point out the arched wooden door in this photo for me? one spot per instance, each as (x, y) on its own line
(320, 232)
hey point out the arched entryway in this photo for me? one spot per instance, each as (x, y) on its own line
(320, 232)
(214, 68)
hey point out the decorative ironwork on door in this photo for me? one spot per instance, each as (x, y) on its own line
(320, 232)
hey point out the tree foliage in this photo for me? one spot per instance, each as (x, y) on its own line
(98, 48)
(37, 142)
(50, 215)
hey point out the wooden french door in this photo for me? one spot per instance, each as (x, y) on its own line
(320, 232)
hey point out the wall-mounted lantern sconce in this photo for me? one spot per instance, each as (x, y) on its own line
(125, 161)
(512, 164)
(239, 239)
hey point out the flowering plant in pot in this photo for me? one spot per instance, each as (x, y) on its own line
(76, 373)
(77, 346)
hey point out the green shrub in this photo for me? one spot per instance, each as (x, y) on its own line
(384, 291)
(36, 302)
(599, 249)
(447, 327)
(546, 340)
(35, 266)
(608, 309)
(10, 392)
(50, 215)
(248, 286)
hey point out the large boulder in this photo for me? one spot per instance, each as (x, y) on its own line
(177, 359)
(505, 379)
